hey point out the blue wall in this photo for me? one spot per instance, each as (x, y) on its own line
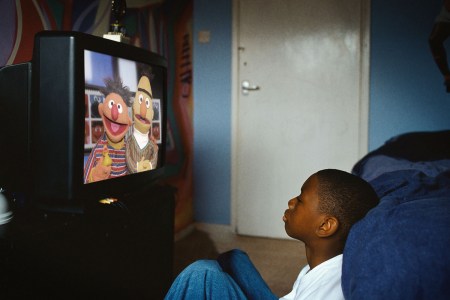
(212, 112)
(406, 90)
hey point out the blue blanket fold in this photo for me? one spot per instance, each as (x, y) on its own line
(401, 249)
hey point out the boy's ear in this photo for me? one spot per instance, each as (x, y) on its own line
(328, 226)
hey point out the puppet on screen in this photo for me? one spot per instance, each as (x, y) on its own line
(142, 150)
(107, 158)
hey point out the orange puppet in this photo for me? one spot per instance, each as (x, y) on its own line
(116, 121)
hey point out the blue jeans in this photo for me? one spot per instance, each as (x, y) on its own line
(232, 276)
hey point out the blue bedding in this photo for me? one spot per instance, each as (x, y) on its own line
(401, 249)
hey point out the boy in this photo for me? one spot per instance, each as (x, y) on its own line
(330, 202)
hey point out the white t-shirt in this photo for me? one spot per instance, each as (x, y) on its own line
(322, 282)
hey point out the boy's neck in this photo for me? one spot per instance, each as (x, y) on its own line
(317, 255)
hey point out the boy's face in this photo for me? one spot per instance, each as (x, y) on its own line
(302, 218)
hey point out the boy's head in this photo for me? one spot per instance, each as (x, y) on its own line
(345, 196)
(330, 202)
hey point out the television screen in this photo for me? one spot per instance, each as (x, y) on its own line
(122, 116)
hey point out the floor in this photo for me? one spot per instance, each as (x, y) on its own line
(278, 260)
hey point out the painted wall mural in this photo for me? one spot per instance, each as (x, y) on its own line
(164, 27)
(145, 22)
(182, 109)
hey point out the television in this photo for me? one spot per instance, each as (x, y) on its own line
(85, 121)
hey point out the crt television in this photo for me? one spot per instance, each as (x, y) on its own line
(85, 121)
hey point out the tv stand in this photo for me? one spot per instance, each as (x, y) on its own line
(106, 252)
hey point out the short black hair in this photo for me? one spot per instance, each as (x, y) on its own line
(345, 196)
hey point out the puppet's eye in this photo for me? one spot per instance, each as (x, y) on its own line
(119, 108)
(110, 103)
(147, 102)
(141, 98)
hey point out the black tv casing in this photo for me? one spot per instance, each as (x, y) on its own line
(56, 122)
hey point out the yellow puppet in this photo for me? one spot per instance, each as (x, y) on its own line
(141, 149)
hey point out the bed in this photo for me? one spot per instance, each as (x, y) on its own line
(401, 249)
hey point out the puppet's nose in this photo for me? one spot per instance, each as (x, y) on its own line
(114, 112)
(143, 110)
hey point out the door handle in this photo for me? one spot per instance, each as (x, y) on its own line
(246, 87)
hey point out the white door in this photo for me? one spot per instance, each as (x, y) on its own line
(306, 66)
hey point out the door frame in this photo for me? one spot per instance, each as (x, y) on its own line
(364, 88)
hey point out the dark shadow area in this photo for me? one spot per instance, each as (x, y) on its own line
(196, 245)
(108, 252)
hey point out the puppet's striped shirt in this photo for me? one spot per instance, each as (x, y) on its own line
(119, 165)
